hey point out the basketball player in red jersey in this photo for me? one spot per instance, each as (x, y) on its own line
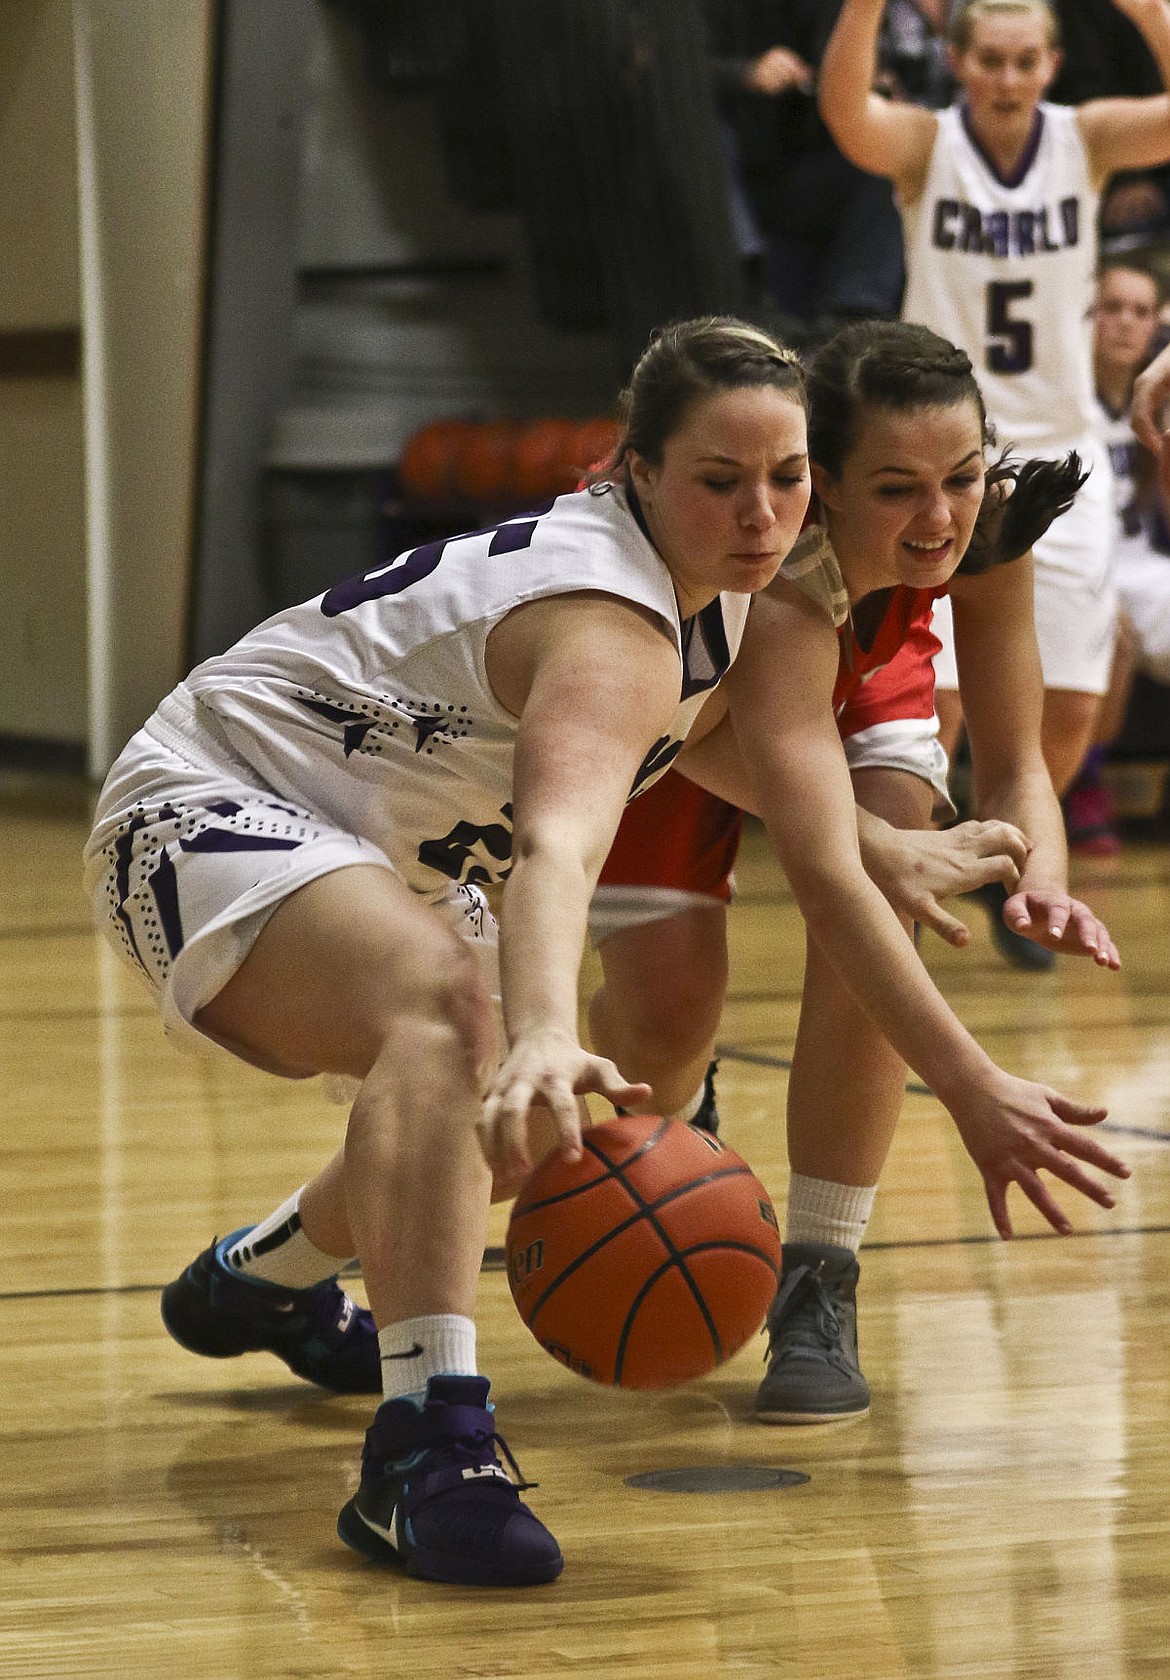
(896, 442)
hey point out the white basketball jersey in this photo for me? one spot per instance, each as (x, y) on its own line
(370, 705)
(1121, 442)
(1005, 269)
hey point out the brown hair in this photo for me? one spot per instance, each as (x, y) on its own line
(1134, 265)
(683, 362)
(900, 366)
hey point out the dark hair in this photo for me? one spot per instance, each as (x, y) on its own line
(901, 366)
(688, 360)
(1120, 262)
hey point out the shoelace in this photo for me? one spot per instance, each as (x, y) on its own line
(472, 1449)
(812, 1322)
(475, 1447)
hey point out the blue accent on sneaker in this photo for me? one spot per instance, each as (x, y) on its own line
(435, 1500)
(320, 1333)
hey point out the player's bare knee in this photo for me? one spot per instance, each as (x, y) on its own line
(446, 1016)
(682, 1010)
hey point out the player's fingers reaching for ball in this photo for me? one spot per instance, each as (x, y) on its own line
(1087, 934)
(1063, 924)
(1042, 1198)
(502, 1129)
(1025, 1129)
(602, 1077)
(995, 839)
(537, 1090)
(929, 913)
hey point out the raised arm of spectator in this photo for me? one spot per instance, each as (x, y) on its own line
(878, 135)
(1133, 133)
(1150, 412)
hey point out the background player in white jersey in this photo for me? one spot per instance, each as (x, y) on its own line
(1125, 326)
(289, 848)
(999, 196)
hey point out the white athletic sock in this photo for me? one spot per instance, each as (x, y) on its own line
(820, 1211)
(439, 1344)
(278, 1251)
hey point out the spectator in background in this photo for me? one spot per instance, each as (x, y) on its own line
(820, 238)
(1125, 331)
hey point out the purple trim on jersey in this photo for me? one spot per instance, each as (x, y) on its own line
(1030, 150)
(227, 840)
(164, 887)
(123, 857)
(708, 626)
(509, 539)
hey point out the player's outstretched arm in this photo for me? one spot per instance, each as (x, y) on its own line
(594, 682)
(1150, 412)
(879, 135)
(785, 729)
(1002, 688)
(917, 869)
(1133, 133)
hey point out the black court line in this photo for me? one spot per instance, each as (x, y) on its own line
(757, 1058)
(494, 1260)
(990, 1238)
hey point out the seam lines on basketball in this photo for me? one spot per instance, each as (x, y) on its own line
(680, 1258)
(642, 1209)
(613, 1169)
(645, 1209)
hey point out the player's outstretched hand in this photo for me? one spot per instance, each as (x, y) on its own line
(1015, 1130)
(916, 868)
(776, 71)
(545, 1072)
(1063, 924)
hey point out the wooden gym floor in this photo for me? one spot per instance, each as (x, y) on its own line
(1004, 1510)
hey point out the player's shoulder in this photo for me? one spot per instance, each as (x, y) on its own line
(811, 568)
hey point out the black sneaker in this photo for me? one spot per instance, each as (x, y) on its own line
(320, 1333)
(813, 1372)
(1020, 952)
(435, 1500)
(706, 1117)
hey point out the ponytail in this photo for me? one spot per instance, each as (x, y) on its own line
(1021, 501)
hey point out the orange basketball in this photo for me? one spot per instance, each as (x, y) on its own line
(649, 1261)
(426, 468)
(483, 463)
(541, 464)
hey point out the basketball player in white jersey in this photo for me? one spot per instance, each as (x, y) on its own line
(1125, 324)
(999, 195)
